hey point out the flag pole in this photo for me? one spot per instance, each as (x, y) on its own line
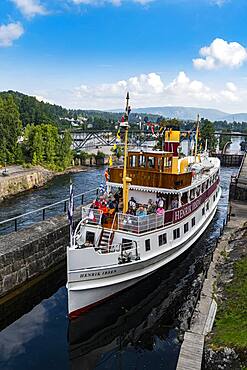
(197, 134)
(71, 212)
(126, 180)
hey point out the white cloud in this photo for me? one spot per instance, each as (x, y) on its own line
(231, 92)
(151, 90)
(30, 8)
(221, 54)
(43, 99)
(9, 33)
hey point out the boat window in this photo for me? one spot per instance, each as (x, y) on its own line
(160, 164)
(176, 233)
(214, 198)
(162, 239)
(207, 206)
(203, 211)
(198, 191)
(193, 221)
(142, 162)
(147, 245)
(168, 162)
(186, 227)
(133, 161)
(90, 237)
(151, 162)
(192, 194)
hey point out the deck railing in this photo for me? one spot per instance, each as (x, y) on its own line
(140, 224)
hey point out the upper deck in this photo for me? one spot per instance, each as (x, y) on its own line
(154, 168)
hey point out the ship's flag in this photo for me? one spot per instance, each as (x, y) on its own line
(102, 188)
(71, 204)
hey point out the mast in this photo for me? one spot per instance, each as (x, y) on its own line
(197, 134)
(126, 180)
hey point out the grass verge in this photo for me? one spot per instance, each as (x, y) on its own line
(231, 319)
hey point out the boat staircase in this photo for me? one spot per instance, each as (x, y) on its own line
(105, 240)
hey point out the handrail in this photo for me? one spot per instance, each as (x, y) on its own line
(113, 222)
(45, 208)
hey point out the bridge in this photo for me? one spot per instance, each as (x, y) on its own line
(89, 139)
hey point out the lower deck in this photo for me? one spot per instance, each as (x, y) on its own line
(165, 240)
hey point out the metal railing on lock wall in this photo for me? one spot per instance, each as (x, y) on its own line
(28, 218)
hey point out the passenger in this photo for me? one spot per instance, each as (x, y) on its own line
(131, 211)
(111, 204)
(160, 211)
(174, 203)
(116, 196)
(120, 205)
(160, 202)
(151, 208)
(132, 203)
(96, 203)
(141, 212)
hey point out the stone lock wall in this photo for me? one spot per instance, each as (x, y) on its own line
(23, 180)
(32, 251)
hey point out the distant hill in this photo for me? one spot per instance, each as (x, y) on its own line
(37, 112)
(190, 113)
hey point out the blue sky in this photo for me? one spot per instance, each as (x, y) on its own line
(87, 53)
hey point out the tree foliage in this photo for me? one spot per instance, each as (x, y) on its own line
(10, 129)
(207, 132)
(43, 145)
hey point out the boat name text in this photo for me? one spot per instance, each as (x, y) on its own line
(97, 273)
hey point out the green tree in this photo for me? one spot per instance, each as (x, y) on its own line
(65, 153)
(10, 130)
(207, 132)
(38, 144)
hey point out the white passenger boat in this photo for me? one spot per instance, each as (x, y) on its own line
(114, 248)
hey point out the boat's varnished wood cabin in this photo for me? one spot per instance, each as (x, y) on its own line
(151, 168)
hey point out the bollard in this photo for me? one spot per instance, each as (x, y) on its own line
(82, 199)
(44, 214)
(16, 224)
(65, 207)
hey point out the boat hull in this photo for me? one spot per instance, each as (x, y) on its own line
(82, 296)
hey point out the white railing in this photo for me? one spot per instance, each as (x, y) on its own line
(91, 215)
(140, 224)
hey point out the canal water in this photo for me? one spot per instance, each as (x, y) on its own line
(139, 329)
(54, 191)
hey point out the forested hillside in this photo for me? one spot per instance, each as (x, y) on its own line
(33, 111)
(33, 143)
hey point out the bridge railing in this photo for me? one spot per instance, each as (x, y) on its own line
(41, 214)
